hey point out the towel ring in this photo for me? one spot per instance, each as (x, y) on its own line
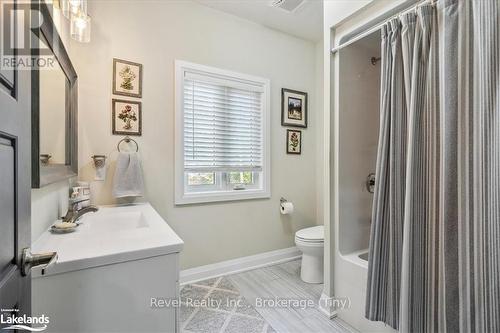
(127, 140)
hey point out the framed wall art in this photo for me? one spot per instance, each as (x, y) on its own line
(293, 142)
(127, 117)
(293, 108)
(127, 78)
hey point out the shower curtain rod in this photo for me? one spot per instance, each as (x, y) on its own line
(378, 26)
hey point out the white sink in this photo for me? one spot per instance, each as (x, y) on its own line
(115, 221)
(111, 235)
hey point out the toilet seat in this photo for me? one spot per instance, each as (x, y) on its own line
(311, 235)
(299, 241)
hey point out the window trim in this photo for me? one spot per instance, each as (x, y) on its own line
(222, 183)
(183, 198)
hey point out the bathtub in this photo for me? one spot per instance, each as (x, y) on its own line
(359, 258)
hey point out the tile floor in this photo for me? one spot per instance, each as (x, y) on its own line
(227, 304)
(220, 308)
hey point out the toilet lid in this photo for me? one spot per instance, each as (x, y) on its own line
(314, 233)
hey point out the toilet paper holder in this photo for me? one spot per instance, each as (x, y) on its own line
(286, 207)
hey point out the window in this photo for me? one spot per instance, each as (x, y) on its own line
(222, 131)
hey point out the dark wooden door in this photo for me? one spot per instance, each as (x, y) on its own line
(15, 176)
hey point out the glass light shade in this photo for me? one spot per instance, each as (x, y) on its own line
(78, 6)
(73, 7)
(65, 9)
(80, 27)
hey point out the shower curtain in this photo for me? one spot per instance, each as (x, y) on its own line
(434, 262)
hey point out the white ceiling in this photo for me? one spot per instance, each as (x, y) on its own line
(305, 22)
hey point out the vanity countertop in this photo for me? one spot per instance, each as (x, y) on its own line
(112, 235)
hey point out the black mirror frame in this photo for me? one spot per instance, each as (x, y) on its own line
(42, 176)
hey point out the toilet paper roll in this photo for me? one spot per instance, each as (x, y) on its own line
(286, 208)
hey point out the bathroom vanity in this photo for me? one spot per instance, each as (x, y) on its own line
(108, 271)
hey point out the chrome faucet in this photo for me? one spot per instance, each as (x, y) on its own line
(74, 213)
(77, 208)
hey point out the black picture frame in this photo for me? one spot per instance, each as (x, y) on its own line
(288, 151)
(285, 120)
(113, 116)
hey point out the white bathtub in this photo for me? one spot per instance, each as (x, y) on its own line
(359, 258)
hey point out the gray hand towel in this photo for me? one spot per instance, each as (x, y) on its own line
(128, 180)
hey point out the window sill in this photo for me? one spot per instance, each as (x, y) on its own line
(207, 197)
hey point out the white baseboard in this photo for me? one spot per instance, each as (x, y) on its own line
(326, 305)
(239, 265)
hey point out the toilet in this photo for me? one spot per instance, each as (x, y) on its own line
(310, 241)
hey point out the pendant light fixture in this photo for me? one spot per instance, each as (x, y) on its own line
(77, 6)
(80, 27)
(80, 21)
(64, 6)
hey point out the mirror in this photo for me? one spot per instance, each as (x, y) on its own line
(52, 114)
(54, 108)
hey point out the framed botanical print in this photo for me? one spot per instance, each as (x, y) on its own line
(293, 108)
(127, 117)
(127, 78)
(293, 142)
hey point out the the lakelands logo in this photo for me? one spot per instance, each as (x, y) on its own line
(24, 322)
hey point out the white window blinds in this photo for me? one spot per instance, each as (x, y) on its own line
(223, 120)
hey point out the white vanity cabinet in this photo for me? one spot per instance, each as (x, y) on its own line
(107, 273)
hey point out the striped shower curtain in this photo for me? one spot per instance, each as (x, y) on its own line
(434, 262)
